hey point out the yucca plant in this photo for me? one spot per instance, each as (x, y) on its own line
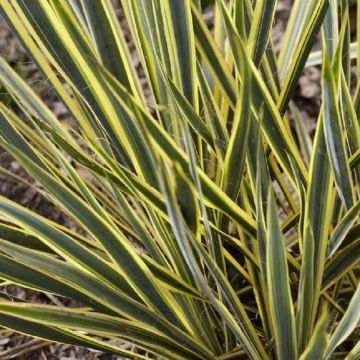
(211, 224)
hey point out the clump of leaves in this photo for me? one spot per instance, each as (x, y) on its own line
(215, 227)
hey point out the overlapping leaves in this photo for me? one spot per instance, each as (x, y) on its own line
(211, 227)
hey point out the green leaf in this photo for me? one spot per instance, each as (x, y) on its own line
(212, 55)
(281, 307)
(241, 328)
(191, 116)
(109, 41)
(342, 228)
(297, 22)
(234, 162)
(186, 198)
(350, 121)
(117, 246)
(302, 133)
(341, 263)
(306, 291)
(63, 243)
(347, 323)
(334, 139)
(62, 336)
(302, 51)
(318, 341)
(98, 324)
(212, 113)
(261, 28)
(181, 28)
(278, 136)
(215, 197)
(318, 211)
(79, 285)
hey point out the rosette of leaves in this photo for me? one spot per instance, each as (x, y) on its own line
(211, 225)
